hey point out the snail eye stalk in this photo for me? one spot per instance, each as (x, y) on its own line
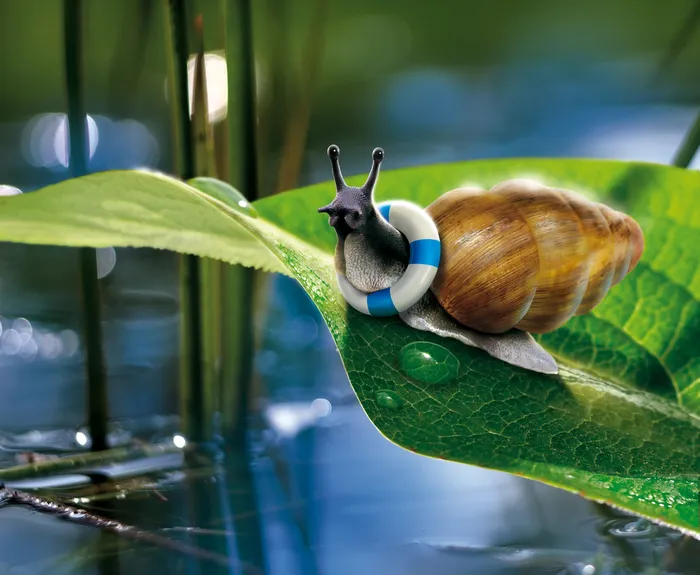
(334, 155)
(377, 157)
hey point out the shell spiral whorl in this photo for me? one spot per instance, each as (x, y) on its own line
(528, 256)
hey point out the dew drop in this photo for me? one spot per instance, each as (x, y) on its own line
(225, 193)
(428, 362)
(388, 399)
(9, 191)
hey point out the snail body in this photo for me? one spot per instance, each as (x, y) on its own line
(517, 259)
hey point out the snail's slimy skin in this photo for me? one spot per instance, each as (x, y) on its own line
(373, 255)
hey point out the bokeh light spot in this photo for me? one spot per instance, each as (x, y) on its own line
(45, 142)
(106, 260)
(217, 85)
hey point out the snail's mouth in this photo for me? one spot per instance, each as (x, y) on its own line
(343, 219)
(341, 226)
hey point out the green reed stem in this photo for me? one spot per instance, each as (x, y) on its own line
(243, 175)
(191, 360)
(679, 43)
(211, 270)
(73, 462)
(242, 107)
(97, 391)
(297, 122)
(180, 151)
(689, 146)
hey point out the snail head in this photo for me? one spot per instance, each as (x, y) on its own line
(352, 207)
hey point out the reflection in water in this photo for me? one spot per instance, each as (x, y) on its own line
(321, 491)
(81, 438)
(40, 442)
(288, 419)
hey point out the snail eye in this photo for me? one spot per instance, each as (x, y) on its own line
(378, 154)
(333, 152)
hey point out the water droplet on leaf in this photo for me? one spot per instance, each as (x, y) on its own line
(225, 193)
(388, 399)
(428, 362)
(9, 191)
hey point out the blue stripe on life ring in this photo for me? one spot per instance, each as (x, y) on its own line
(425, 252)
(384, 209)
(380, 303)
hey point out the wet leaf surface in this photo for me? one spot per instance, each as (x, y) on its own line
(616, 425)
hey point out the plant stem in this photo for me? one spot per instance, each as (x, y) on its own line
(191, 384)
(237, 281)
(689, 147)
(297, 124)
(242, 115)
(679, 42)
(178, 135)
(211, 270)
(97, 391)
(72, 462)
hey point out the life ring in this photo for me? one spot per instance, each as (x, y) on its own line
(424, 245)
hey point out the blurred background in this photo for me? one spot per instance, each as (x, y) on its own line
(315, 489)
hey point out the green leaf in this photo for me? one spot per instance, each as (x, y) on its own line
(609, 425)
(642, 333)
(131, 209)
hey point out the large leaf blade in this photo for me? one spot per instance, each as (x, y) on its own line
(652, 193)
(580, 431)
(130, 209)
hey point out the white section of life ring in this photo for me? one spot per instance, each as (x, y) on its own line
(424, 245)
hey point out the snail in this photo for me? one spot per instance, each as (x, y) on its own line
(485, 267)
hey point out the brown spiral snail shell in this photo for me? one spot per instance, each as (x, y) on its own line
(523, 255)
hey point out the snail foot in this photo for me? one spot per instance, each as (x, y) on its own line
(515, 347)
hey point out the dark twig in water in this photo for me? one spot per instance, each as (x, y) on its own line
(82, 517)
(199, 531)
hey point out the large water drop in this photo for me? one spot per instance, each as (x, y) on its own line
(428, 362)
(225, 193)
(388, 399)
